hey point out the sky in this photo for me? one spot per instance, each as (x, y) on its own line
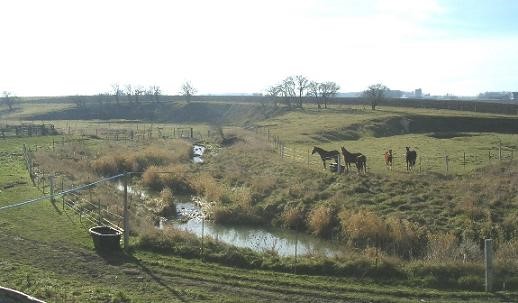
(71, 47)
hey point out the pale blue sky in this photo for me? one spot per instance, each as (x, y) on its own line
(63, 47)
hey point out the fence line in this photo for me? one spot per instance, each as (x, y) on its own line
(441, 163)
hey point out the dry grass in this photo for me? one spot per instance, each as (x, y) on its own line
(443, 246)
(320, 220)
(208, 187)
(293, 218)
(363, 228)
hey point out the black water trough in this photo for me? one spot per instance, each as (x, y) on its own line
(106, 238)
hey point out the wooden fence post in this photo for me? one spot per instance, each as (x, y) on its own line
(308, 157)
(99, 220)
(126, 213)
(500, 151)
(446, 161)
(51, 183)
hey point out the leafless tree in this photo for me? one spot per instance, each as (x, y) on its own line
(9, 99)
(273, 92)
(314, 92)
(137, 92)
(287, 90)
(117, 92)
(375, 94)
(327, 90)
(129, 92)
(157, 92)
(301, 84)
(188, 91)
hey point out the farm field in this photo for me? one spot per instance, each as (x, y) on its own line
(51, 256)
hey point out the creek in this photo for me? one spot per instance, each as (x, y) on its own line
(261, 239)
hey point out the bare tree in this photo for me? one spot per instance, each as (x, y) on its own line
(314, 92)
(157, 92)
(327, 90)
(129, 92)
(138, 91)
(375, 94)
(287, 90)
(273, 92)
(117, 92)
(9, 99)
(188, 91)
(301, 84)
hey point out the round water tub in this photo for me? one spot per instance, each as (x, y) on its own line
(106, 238)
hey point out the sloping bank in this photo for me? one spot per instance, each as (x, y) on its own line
(178, 112)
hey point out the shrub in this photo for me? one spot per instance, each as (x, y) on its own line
(293, 218)
(442, 246)
(320, 220)
(471, 282)
(363, 228)
(168, 205)
(176, 177)
(151, 178)
(205, 185)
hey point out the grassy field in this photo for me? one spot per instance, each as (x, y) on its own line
(50, 255)
(374, 132)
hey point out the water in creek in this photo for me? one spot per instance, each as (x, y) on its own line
(284, 242)
(197, 152)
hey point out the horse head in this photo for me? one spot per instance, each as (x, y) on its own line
(314, 150)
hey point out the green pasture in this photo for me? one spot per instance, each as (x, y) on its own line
(48, 253)
(362, 130)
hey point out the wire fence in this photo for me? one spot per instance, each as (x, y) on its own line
(446, 163)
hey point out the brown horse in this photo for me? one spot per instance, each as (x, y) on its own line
(326, 155)
(411, 156)
(388, 159)
(357, 158)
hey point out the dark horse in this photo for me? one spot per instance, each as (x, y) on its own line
(326, 155)
(411, 156)
(357, 158)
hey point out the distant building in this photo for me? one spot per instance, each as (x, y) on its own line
(418, 93)
(496, 95)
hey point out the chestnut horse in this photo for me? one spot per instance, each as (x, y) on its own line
(388, 159)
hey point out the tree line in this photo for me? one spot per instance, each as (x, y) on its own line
(293, 92)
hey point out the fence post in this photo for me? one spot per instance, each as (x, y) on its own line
(446, 161)
(488, 263)
(51, 184)
(62, 196)
(420, 163)
(464, 162)
(202, 234)
(500, 151)
(191, 133)
(126, 213)
(99, 214)
(338, 167)
(308, 157)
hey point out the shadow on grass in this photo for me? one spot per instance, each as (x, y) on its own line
(119, 257)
